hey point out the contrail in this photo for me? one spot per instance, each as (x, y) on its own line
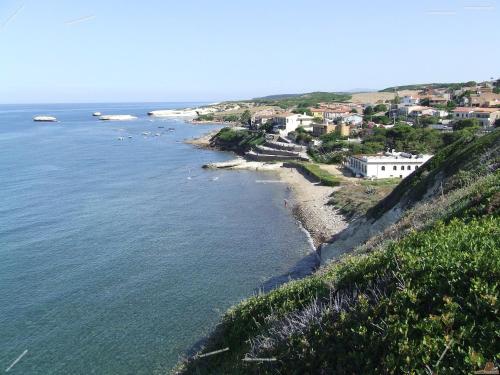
(80, 20)
(17, 360)
(12, 16)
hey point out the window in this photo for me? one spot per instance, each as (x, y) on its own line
(394, 168)
(383, 168)
(416, 166)
(409, 167)
(402, 167)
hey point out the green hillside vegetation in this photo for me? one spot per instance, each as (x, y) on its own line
(401, 137)
(420, 298)
(420, 86)
(302, 100)
(355, 199)
(238, 141)
(317, 173)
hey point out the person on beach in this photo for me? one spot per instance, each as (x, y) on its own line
(286, 203)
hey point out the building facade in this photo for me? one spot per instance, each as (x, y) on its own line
(386, 165)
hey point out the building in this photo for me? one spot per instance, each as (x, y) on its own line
(441, 113)
(353, 118)
(386, 165)
(337, 112)
(289, 122)
(408, 100)
(318, 113)
(321, 129)
(486, 116)
(261, 118)
(415, 110)
(344, 130)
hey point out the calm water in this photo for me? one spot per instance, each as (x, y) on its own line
(116, 256)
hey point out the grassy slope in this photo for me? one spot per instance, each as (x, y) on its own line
(355, 199)
(428, 284)
(314, 170)
(422, 85)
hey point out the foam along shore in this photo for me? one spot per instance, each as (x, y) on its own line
(44, 119)
(309, 200)
(117, 117)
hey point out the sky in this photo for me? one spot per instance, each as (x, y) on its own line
(201, 50)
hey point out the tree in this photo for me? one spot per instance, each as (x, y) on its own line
(354, 110)
(380, 108)
(368, 111)
(246, 117)
(466, 123)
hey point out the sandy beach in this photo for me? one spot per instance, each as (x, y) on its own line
(309, 206)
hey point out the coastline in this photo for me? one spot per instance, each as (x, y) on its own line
(309, 200)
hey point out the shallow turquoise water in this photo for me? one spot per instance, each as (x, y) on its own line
(116, 256)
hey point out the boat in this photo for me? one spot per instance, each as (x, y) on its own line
(117, 117)
(97, 114)
(45, 119)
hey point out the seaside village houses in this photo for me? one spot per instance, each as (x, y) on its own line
(391, 164)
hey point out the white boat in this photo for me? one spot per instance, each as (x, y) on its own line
(117, 117)
(97, 114)
(45, 119)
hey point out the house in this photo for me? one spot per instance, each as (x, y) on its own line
(321, 129)
(439, 113)
(461, 113)
(344, 130)
(336, 112)
(318, 113)
(486, 116)
(438, 100)
(387, 165)
(288, 122)
(352, 118)
(261, 118)
(415, 110)
(408, 100)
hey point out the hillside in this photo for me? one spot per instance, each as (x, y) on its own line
(420, 86)
(419, 294)
(302, 100)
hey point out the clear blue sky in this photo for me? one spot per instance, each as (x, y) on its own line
(152, 50)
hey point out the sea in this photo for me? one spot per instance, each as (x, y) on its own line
(118, 252)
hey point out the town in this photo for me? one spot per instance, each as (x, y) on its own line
(386, 134)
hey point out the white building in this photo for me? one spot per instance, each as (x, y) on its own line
(289, 122)
(408, 100)
(486, 116)
(353, 118)
(386, 165)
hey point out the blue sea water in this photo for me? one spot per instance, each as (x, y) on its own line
(118, 255)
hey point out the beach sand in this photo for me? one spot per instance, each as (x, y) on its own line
(309, 206)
